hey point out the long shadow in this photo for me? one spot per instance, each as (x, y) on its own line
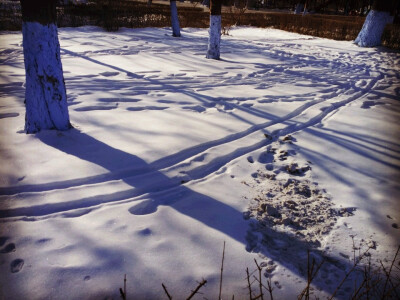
(358, 149)
(161, 190)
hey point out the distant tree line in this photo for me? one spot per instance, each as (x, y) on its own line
(346, 7)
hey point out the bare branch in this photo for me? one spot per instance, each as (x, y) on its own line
(390, 270)
(222, 270)
(248, 283)
(166, 291)
(123, 292)
(260, 281)
(203, 282)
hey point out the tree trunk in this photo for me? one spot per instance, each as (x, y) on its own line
(299, 8)
(206, 3)
(214, 40)
(176, 30)
(45, 94)
(375, 22)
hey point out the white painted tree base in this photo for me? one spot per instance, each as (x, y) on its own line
(176, 30)
(214, 40)
(45, 94)
(372, 30)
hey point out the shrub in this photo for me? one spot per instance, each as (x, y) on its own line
(113, 14)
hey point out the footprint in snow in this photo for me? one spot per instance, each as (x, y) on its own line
(361, 83)
(166, 101)
(43, 241)
(114, 100)
(109, 74)
(8, 249)
(144, 208)
(8, 115)
(3, 240)
(145, 232)
(369, 104)
(196, 108)
(16, 265)
(96, 107)
(146, 108)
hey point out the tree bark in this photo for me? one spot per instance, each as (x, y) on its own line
(375, 22)
(45, 94)
(176, 30)
(299, 8)
(214, 40)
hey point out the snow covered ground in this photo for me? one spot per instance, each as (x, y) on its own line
(288, 143)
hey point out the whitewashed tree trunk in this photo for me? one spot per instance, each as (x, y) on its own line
(214, 40)
(45, 94)
(375, 22)
(176, 30)
(372, 30)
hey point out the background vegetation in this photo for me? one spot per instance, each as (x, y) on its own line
(113, 14)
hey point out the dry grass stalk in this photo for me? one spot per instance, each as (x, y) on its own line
(166, 291)
(202, 283)
(222, 270)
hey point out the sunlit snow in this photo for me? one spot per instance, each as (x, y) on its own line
(172, 154)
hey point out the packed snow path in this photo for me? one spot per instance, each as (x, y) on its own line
(158, 170)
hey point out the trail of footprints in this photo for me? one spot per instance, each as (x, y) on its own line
(7, 248)
(289, 213)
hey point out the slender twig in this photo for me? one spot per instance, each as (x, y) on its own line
(354, 249)
(222, 270)
(203, 282)
(260, 281)
(310, 276)
(343, 281)
(348, 273)
(394, 287)
(123, 292)
(248, 283)
(372, 287)
(357, 290)
(388, 279)
(367, 273)
(166, 291)
(270, 288)
(390, 270)
(125, 286)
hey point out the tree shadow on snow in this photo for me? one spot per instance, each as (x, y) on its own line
(160, 190)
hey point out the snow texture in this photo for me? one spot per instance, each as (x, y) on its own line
(288, 145)
(176, 30)
(214, 41)
(46, 101)
(372, 30)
